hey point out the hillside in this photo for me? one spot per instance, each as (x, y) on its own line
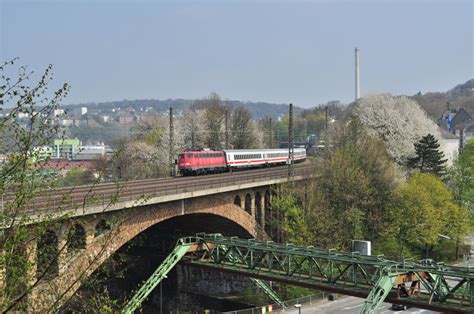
(435, 103)
(257, 109)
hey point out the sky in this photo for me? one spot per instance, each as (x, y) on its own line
(274, 51)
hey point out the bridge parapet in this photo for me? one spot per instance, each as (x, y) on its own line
(89, 200)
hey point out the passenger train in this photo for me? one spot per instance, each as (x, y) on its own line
(214, 161)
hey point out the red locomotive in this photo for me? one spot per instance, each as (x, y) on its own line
(214, 161)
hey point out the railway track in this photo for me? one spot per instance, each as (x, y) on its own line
(106, 193)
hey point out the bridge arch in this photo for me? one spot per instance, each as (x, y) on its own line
(258, 208)
(47, 265)
(268, 213)
(77, 238)
(237, 201)
(248, 203)
(101, 227)
(133, 223)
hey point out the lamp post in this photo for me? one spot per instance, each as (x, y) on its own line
(298, 306)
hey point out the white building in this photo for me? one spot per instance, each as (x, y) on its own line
(67, 122)
(450, 146)
(22, 115)
(58, 112)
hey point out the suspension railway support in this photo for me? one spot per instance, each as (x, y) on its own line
(423, 284)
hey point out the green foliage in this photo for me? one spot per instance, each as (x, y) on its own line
(154, 136)
(30, 250)
(76, 177)
(352, 190)
(250, 296)
(461, 177)
(423, 209)
(20, 179)
(292, 225)
(289, 292)
(428, 158)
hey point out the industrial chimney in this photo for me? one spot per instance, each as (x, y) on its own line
(357, 88)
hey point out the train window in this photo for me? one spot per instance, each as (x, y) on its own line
(189, 155)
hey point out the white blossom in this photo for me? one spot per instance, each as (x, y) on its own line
(398, 120)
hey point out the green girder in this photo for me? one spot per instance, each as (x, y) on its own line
(268, 291)
(378, 293)
(181, 248)
(434, 286)
(150, 284)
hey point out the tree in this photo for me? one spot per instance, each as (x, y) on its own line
(398, 121)
(214, 115)
(193, 127)
(460, 177)
(150, 128)
(354, 182)
(423, 209)
(266, 133)
(427, 157)
(22, 178)
(242, 129)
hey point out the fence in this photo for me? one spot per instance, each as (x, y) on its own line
(307, 300)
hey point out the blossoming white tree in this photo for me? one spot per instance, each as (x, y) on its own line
(398, 120)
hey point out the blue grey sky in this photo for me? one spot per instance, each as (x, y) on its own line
(274, 51)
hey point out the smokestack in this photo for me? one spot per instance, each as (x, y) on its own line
(357, 88)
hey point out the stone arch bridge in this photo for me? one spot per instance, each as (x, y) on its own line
(101, 219)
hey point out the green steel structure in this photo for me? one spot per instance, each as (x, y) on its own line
(423, 284)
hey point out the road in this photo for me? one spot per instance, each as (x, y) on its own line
(347, 305)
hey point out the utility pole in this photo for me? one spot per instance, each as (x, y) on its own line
(171, 161)
(291, 149)
(270, 143)
(326, 140)
(326, 113)
(226, 129)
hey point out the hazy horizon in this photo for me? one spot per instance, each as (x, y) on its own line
(260, 51)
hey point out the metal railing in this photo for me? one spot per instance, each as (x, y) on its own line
(307, 300)
(102, 194)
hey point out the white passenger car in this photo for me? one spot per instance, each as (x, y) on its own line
(240, 158)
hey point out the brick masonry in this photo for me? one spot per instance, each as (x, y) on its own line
(128, 223)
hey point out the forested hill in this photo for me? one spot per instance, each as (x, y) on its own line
(257, 109)
(435, 103)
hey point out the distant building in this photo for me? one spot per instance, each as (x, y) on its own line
(58, 112)
(451, 145)
(83, 110)
(64, 166)
(126, 119)
(3, 158)
(66, 148)
(455, 120)
(67, 122)
(106, 118)
(23, 115)
(91, 152)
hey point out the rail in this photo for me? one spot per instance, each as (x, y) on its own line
(102, 194)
